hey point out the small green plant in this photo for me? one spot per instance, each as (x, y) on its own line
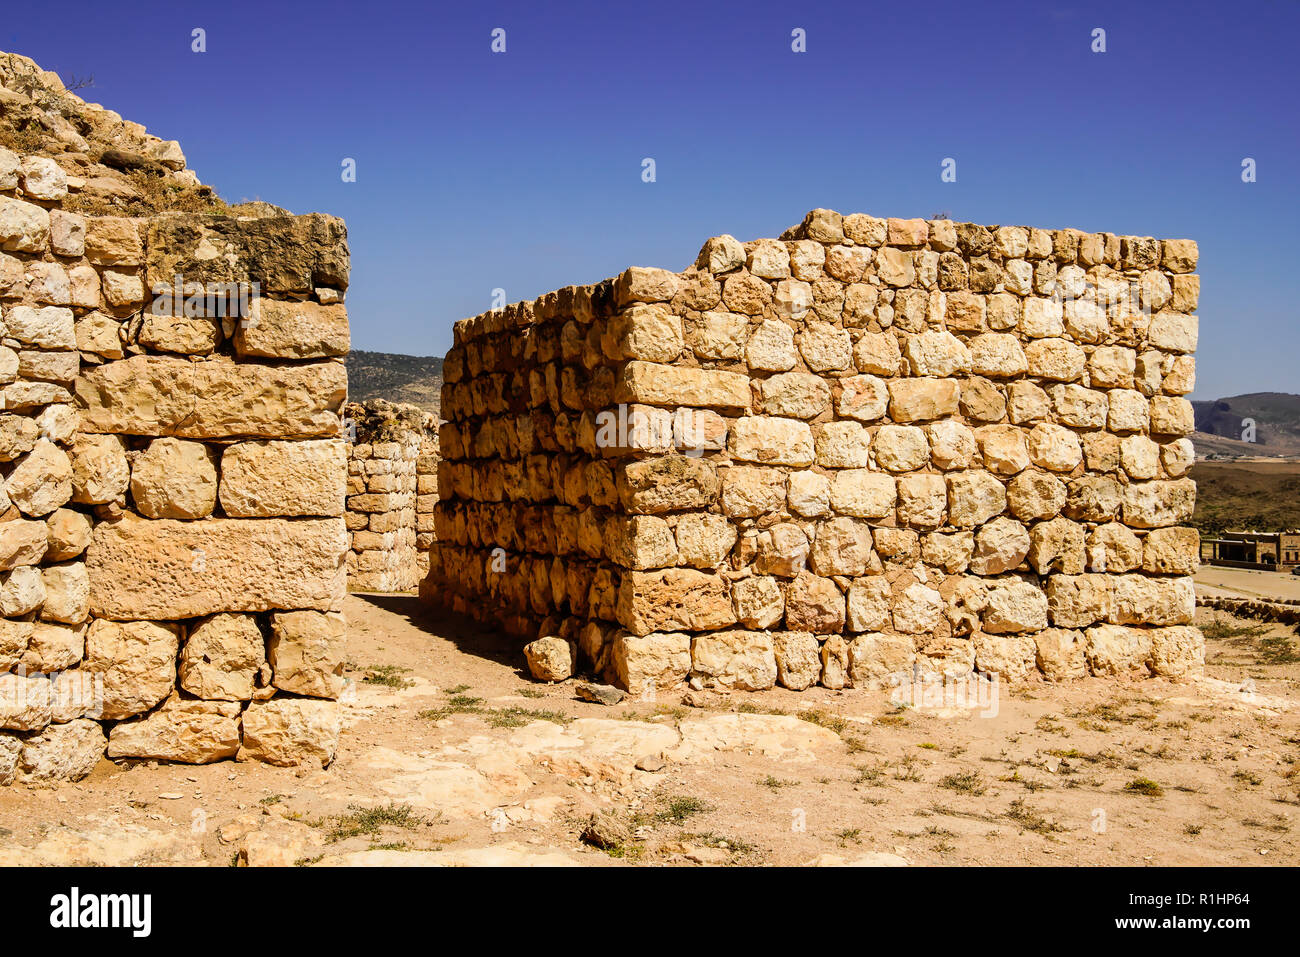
(775, 784)
(390, 676)
(678, 809)
(1144, 786)
(370, 821)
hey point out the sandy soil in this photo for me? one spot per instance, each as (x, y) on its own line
(452, 755)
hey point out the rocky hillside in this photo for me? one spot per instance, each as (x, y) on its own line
(416, 380)
(1277, 424)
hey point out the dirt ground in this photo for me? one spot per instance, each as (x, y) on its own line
(451, 755)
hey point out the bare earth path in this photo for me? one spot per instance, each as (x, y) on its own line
(451, 755)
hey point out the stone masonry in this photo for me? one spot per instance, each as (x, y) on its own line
(389, 441)
(867, 449)
(172, 539)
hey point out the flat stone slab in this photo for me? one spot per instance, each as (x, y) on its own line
(167, 569)
(212, 399)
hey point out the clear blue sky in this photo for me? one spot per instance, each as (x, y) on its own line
(523, 170)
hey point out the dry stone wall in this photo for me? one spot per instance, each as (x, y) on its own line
(172, 540)
(865, 450)
(389, 442)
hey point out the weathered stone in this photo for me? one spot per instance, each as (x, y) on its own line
(291, 731)
(744, 660)
(41, 481)
(1117, 650)
(1015, 606)
(1060, 654)
(67, 593)
(263, 479)
(166, 569)
(550, 658)
(658, 660)
(863, 494)
(1000, 546)
(758, 602)
(879, 657)
(137, 660)
(798, 664)
(181, 730)
(62, 752)
(650, 601)
(223, 658)
(292, 330)
(771, 441)
(656, 384)
(814, 604)
(155, 395)
(174, 478)
(667, 483)
(22, 543)
(100, 470)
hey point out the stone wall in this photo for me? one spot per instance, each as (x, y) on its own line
(866, 448)
(172, 538)
(389, 440)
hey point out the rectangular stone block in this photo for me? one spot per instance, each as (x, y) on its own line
(674, 598)
(168, 569)
(270, 479)
(213, 399)
(293, 330)
(656, 384)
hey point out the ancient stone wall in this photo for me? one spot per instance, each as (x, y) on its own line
(172, 541)
(389, 440)
(866, 448)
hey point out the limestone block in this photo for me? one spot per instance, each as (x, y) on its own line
(67, 593)
(798, 664)
(814, 604)
(1059, 654)
(657, 660)
(863, 494)
(137, 661)
(292, 330)
(869, 604)
(156, 395)
(1118, 650)
(41, 481)
(771, 440)
(1015, 607)
(273, 478)
(167, 569)
(223, 658)
(744, 660)
(879, 657)
(291, 731)
(62, 752)
(900, 448)
(758, 602)
(917, 610)
(181, 730)
(174, 478)
(656, 384)
(550, 658)
(920, 400)
(667, 483)
(650, 601)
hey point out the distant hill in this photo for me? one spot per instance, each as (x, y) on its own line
(1277, 424)
(398, 378)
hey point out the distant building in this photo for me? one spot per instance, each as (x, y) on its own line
(1270, 551)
